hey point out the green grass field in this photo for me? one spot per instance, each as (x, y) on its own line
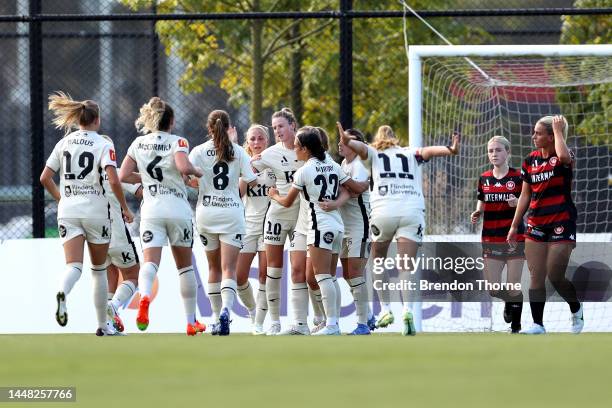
(438, 370)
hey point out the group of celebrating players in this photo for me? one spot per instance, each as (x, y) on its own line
(252, 199)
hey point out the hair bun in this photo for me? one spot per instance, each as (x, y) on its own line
(287, 110)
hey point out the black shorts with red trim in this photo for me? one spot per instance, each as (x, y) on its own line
(561, 232)
(503, 250)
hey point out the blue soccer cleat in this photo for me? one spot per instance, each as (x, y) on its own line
(224, 322)
(360, 330)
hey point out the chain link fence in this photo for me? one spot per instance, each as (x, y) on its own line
(249, 67)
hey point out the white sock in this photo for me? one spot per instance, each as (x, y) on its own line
(317, 304)
(109, 296)
(146, 277)
(189, 286)
(262, 305)
(214, 295)
(71, 275)
(299, 302)
(100, 289)
(383, 294)
(245, 293)
(228, 293)
(273, 288)
(338, 297)
(124, 293)
(328, 295)
(358, 289)
(405, 276)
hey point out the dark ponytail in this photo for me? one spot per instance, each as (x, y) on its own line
(218, 125)
(310, 138)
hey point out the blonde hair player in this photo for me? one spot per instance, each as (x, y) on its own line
(551, 224)
(318, 180)
(498, 191)
(162, 161)
(220, 213)
(398, 205)
(82, 213)
(256, 204)
(280, 222)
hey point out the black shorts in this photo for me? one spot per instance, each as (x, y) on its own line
(562, 232)
(503, 250)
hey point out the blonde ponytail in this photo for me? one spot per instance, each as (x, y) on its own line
(154, 115)
(70, 114)
(385, 138)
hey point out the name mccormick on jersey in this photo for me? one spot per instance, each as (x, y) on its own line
(154, 146)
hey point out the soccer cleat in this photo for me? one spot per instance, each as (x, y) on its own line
(296, 330)
(409, 329)
(142, 319)
(372, 323)
(328, 331)
(318, 327)
(113, 316)
(535, 329)
(258, 330)
(274, 329)
(197, 327)
(361, 330)
(385, 320)
(224, 322)
(61, 315)
(507, 313)
(109, 330)
(578, 321)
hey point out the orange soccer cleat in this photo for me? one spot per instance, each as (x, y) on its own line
(197, 327)
(142, 320)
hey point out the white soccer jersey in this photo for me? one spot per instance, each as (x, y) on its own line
(165, 193)
(256, 202)
(284, 163)
(397, 183)
(220, 209)
(319, 181)
(80, 158)
(356, 211)
(119, 236)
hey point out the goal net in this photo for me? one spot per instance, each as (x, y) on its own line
(483, 91)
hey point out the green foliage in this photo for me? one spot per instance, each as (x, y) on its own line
(589, 30)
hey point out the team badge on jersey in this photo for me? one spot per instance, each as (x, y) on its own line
(67, 191)
(147, 236)
(553, 161)
(183, 143)
(510, 185)
(559, 230)
(62, 231)
(375, 230)
(153, 190)
(328, 237)
(383, 190)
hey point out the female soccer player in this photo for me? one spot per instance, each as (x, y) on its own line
(318, 180)
(256, 204)
(83, 213)
(498, 191)
(398, 206)
(161, 159)
(280, 221)
(551, 225)
(220, 213)
(122, 256)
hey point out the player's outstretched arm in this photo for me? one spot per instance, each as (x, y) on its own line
(285, 201)
(46, 179)
(521, 207)
(184, 166)
(355, 145)
(115, 185)
(437, 151)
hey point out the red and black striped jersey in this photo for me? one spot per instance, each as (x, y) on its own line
(497, 213)
(551, 190)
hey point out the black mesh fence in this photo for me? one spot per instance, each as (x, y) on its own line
(249, 67)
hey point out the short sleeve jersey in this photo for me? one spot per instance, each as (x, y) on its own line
(356, 211)
(284, 163)
(497, 213)
(80, 158)
(164, 191)
(397, 182)
(256, 202)
(219, 203)
(318, 181)
(551, 190)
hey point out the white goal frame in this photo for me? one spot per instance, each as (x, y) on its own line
(417, 52)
